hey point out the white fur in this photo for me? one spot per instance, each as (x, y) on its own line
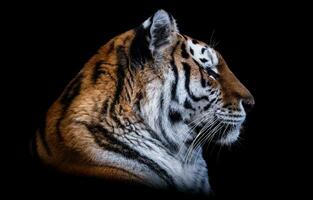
(208, 54)
(185, 176)
(231, 137)
(147, 23)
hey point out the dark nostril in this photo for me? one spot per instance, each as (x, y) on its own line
(248, 104)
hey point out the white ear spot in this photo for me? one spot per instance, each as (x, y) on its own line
(147, 23)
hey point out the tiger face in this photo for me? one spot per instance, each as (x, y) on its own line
(199, 88)
(217, 96)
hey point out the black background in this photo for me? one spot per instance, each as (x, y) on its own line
(51, 43)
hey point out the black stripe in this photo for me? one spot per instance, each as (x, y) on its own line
(212, 92)
(100, 70)
(106, 140)
(212, 100)
(139, 49)
(71, 91)
(185, 37)
(105, 106)
(187, 77)
(186, 67)
(203, 60)
(174, 116)
(138, 99)
(209, 104)
(191, 51)
(117, 121)
(202, 50)
(97, 72)
(209, 83)
(188, 105)
(203, 83)
(194, 41)
(174, 68)
(184, 53)
(147, 30)
(171, 18)
(150, 24)
(174, 85)
(121, 66)
(212, 73)
(129, 90)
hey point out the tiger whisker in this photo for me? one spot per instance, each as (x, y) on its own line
(201, 134)
(195, 142)
(187, 133)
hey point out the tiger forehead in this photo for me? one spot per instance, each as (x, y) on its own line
(202, 53)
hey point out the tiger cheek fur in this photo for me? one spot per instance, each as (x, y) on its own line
(142, 107)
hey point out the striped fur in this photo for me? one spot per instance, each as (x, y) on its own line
(139, 108)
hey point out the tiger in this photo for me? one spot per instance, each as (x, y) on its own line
(141, 109)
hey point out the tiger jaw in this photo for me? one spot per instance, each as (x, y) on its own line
(223, 128)
(232, 124)
(230, 137)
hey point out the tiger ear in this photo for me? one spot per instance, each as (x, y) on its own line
(162, 31)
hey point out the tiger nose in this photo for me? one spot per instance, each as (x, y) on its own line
(248, 102)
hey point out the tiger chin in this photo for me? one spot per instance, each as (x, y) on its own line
(141, 109)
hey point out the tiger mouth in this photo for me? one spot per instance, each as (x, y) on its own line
(231, 119)
(233, 122)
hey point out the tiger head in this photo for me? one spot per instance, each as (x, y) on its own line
(188, 84)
